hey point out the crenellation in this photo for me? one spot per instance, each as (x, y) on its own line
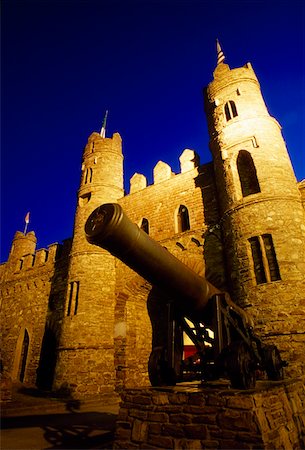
(137, 183)
(162, 172)
(189, 160)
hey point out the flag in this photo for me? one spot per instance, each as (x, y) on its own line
(103, 130)
(27, 218)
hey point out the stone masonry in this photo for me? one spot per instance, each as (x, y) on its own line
(192, 417)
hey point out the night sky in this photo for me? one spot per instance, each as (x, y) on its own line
(65, 62)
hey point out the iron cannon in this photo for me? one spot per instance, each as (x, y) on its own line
(183, 303)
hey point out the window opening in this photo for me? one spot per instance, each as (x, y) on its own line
(86, 176)
(230, 110)
(145, 225)
(183, 219)
(24, 355)
(247, 174)
(73, 298)
(265, 264)
(271, 257)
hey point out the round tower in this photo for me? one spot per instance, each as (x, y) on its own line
(23, 244)
(262, 218)
(86, 350)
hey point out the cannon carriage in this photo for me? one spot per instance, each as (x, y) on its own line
(184, 302)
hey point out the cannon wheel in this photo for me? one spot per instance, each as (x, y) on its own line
(158, 371)
(240, 366)
(273, 363)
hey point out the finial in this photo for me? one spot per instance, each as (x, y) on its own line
(220, 55)
(103, 129)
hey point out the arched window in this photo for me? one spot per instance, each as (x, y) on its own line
(183, 220)
(145, 225)
(24, 355)
(230, 110)
(247, 174)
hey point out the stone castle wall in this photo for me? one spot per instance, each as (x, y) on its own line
(32, 291)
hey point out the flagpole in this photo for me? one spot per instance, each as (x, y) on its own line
(27, 220)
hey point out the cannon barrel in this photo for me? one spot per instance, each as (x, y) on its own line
(109, 227)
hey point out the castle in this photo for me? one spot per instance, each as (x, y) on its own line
(74, 317)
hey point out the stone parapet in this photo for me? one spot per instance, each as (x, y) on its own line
(191, 416)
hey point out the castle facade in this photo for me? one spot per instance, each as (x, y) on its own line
(75, 318)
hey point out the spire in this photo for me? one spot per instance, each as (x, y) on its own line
(103, 129)
(220, 55)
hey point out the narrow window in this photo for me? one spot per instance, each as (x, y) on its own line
(247, 174)
(86, 176)
(271, 257)
(183, 221)
(145, 225)
(73, 298)
(76, 297)
(230, 110)
(91, 175)
(265, 264)
(70, 299)
(257, 260)
(24, 355)
(227, 112)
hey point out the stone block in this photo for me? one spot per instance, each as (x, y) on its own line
(169, 429)
(139, 431)
(161, 441)
(196, 431)
(180, 418)
(158, 417)
(188, 444)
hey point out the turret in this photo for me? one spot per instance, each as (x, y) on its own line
(262, 218)
(87, 333)
(23, 244)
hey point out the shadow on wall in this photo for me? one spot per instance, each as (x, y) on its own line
(56, 310)
(214, 257)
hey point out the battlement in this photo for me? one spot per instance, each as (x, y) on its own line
(43, 257)
(189, 160)
(97, 144)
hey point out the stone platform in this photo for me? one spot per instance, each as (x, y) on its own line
(194, 416)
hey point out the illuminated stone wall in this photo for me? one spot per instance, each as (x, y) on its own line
(33, 287)
(261, 210)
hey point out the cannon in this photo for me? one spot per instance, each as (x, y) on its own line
(182, 302)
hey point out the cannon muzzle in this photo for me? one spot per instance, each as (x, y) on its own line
(109, 227)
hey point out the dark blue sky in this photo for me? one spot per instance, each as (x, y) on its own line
(65, 62)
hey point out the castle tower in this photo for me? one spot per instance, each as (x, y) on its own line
(23, 244)
(86, 351)
(262, 218)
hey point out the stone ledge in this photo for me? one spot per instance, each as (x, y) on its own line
(194, 416)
